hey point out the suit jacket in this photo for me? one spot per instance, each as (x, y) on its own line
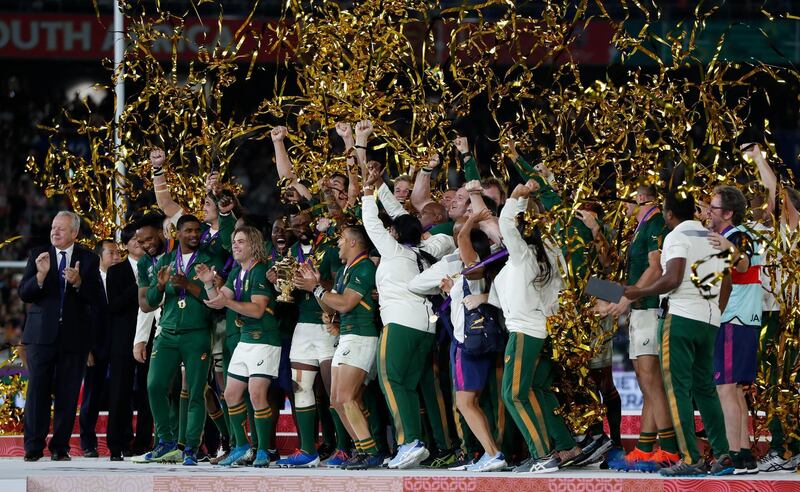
(101, 320)
(75, 331)
(123, 307)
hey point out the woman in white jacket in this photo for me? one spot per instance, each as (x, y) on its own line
(408, 334)
(526, 289)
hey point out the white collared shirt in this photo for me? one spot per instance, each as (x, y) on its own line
(134, 267)
(69, 255)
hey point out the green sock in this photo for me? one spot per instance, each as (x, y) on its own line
(368, 446)
(307, 428)
(218, 418)
(667, 440)
(646, 441)
(342, 437)
(238, 415)
(183, 416)
(263, 426)
(372, 413)
(251, 421)
(327, 424)
(224, 405)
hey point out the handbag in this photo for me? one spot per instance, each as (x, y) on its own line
(482, 331)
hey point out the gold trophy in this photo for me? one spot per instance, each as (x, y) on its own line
(285, 270)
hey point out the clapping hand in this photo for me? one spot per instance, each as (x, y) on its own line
(204, 273)
(179, 280)
(218, 302)
(307, 277)
(163, 277)
(72, 275)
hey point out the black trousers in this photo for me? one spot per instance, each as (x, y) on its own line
(128, 390)
(95, 398)
(51, 372)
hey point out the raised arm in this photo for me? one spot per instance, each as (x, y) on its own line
(467, 159)
(475, 196)
(421, 194)
(284, 163)
(765, 172)
(386, 245)
(160, 186)
(518, 252)
(363, 131)
(468, 254)
(390, 203)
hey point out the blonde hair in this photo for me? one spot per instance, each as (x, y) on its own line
(256, 241)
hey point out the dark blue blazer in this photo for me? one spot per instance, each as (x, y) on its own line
(75, 331)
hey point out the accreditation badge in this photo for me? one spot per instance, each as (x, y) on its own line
(182, 303)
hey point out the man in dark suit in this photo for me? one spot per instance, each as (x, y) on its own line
(95, 394)
(61, 282)
(125, 374)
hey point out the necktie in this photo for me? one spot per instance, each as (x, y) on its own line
(62, 282)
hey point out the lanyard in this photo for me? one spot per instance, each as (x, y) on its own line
(179, 268)
(650, 213)
(727, 229)
(207, 237)
(358, 259)
(241, 282)
(446, 304)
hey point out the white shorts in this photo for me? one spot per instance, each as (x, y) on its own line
(357, 351)
(643, 333)
(312, 344)
(217, 342)
(254, 360)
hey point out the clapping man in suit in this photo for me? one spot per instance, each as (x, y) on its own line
(61, 282)
(94, 383)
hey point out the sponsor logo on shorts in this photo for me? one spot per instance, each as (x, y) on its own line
(260, 362)
(204, 356)
(508, 358)
(646, 342)
(346, 353)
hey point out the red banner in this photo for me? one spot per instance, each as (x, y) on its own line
(56, 36)
(84, 37)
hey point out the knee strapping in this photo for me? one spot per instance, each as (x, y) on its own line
(304, 387)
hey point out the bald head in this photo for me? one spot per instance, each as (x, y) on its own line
(432, 213)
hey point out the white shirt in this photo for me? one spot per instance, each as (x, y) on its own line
(687, 299)
(69, 255)
(397, 268)
(514, 291)
(437, 245)
(103, 276)
(134, 267)
(764, 237)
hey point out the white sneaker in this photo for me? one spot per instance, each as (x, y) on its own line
(489, 463)
(395, 462)
(548, 464)
(772, 461)
(792, 463)
(414, 455)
